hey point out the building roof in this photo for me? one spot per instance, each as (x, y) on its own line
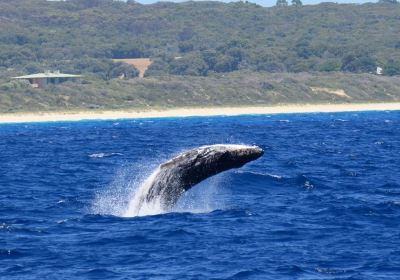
(48, 74)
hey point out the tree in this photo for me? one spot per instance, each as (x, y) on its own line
(359, 62)
(186, 46)
(192, 64)
(265, 60)
(225, 63)
(392, 68)
(210, 57)
(32, 68)
(128, 49)
(388, 1)
(297, 3)
(123, 70)
(330, 65)
(81, 36)
(282, 3)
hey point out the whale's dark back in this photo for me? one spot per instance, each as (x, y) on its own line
(190, 168)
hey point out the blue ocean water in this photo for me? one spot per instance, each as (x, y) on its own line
(322, 203)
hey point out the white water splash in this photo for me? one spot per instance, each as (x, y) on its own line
(128, 198)
(115, 198)
(125, 196)
(205, 197)
(138, 206)
(101, 155)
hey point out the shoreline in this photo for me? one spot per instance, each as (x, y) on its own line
(194, 112)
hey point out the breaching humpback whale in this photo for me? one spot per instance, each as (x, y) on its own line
(189, 168)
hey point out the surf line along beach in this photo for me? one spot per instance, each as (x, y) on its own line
(192, 112)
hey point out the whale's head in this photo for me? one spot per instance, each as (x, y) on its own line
(228, 156)
(205, 161)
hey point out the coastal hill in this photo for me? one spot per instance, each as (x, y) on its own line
(232, 89)
(202, 53)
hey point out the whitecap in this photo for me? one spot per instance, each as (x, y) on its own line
(101, 155)
(341, 120)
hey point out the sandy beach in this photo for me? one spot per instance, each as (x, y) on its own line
(189, 112)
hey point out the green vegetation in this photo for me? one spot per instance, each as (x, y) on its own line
(239, 88)
(199, 38)
(204, 53)
(297, 3)
(282, 3)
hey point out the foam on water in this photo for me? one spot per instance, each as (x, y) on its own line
(101, 155)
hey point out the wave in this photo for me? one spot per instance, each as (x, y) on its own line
(247, 273)
(389, 189)
(101, 273)
(13, 253)
(5, 227)
(256, 178)
(102, 155)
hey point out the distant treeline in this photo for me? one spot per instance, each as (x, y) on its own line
(197, 38)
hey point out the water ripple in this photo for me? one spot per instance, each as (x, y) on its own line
(322, 203)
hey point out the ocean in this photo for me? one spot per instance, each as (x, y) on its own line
(322, 203)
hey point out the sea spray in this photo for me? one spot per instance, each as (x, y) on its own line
(115, 198)
(206, 197)
(138, 205)
(125, 196)
(200, 199)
